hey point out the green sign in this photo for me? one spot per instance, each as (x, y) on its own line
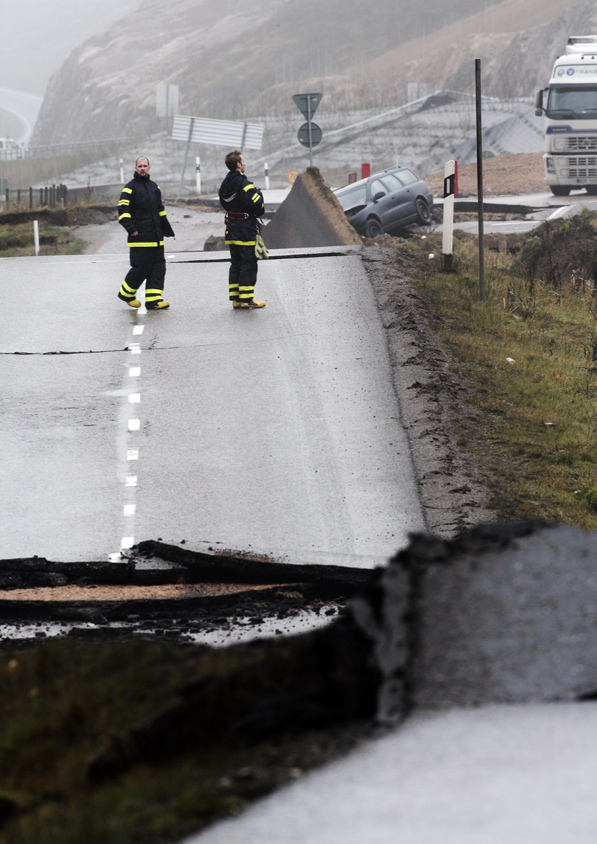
(303, 134)
(307, 103)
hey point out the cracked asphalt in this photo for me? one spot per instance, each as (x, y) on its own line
(274, 432)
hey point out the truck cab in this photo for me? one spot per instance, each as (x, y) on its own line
(569, 105)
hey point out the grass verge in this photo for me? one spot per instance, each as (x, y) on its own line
(144, 741)
(528, 355)
(55, 235)
(18, 240)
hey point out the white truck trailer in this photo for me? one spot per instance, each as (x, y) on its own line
(569, 105)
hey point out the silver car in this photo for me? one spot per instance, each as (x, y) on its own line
(386, 201)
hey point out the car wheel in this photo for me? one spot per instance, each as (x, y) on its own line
(373, 228)
(423, 211)
(559, 190)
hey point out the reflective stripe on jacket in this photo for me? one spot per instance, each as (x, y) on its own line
(141, 210)
(243, 203)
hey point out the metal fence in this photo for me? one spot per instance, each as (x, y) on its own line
(75, 147)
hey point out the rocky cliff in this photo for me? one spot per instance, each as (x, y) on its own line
(231, 63)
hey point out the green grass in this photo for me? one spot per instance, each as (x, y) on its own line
(539, 439)
(144, 741)
(64, 704)
(18, 240)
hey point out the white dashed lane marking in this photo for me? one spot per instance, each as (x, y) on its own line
(129, 506)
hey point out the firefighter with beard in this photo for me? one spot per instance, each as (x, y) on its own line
(243, 203)
(141, 212)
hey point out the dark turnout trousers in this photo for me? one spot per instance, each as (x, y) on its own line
(242, 275)
(147, 264)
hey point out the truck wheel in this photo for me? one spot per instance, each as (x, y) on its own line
(373, 227)
(423, 212)
(559, 190)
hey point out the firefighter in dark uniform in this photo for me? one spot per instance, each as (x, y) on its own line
(243, 203)
(142, 214)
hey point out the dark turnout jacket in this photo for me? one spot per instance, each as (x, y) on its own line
(243, 203)
(141, 210)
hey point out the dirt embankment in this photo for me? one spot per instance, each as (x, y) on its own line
(505, 175)
(310, 216)
(71, 215)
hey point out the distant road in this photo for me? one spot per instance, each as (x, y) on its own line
(25, 107)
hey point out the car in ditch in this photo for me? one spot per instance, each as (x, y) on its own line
(386, 201)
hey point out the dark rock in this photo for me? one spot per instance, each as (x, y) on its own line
(46, 579)
(215, 244)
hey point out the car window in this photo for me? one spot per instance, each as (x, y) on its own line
(350, 198)
(391, 182)
(378, 187)
(407, 177)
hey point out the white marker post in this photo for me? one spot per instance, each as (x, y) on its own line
(448, 233)
(121, 172)
(198, 171)
(266, 171)
(36, 236)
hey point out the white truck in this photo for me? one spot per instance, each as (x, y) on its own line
(569, 105)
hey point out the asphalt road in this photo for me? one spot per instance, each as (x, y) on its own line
(273, 432)
(516, 774)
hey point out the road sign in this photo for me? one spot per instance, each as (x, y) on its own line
(307, 103)
(292, 176)
(227, 133)
(303, 134)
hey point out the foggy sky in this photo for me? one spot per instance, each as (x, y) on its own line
(38, 35)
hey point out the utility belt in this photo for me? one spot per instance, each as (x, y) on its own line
(237, 215)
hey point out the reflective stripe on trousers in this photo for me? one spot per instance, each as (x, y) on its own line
(242, 276)
(147, 265)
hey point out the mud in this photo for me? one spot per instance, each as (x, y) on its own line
(75, 215)
(310, 216)
(438, 418)
(167, 591)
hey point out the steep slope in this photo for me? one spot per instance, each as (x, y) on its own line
(230, 63)
(517, 43)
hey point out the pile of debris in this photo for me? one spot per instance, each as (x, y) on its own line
(309, 217)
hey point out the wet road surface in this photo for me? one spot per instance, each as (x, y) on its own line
(274, 431)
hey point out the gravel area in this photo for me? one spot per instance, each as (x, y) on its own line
(506, 175)
(99, 594)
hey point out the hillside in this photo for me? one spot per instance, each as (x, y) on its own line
(229, 64)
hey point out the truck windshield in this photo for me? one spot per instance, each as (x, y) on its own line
(569, 102)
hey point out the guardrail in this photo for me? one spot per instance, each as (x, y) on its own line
(75, 147)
